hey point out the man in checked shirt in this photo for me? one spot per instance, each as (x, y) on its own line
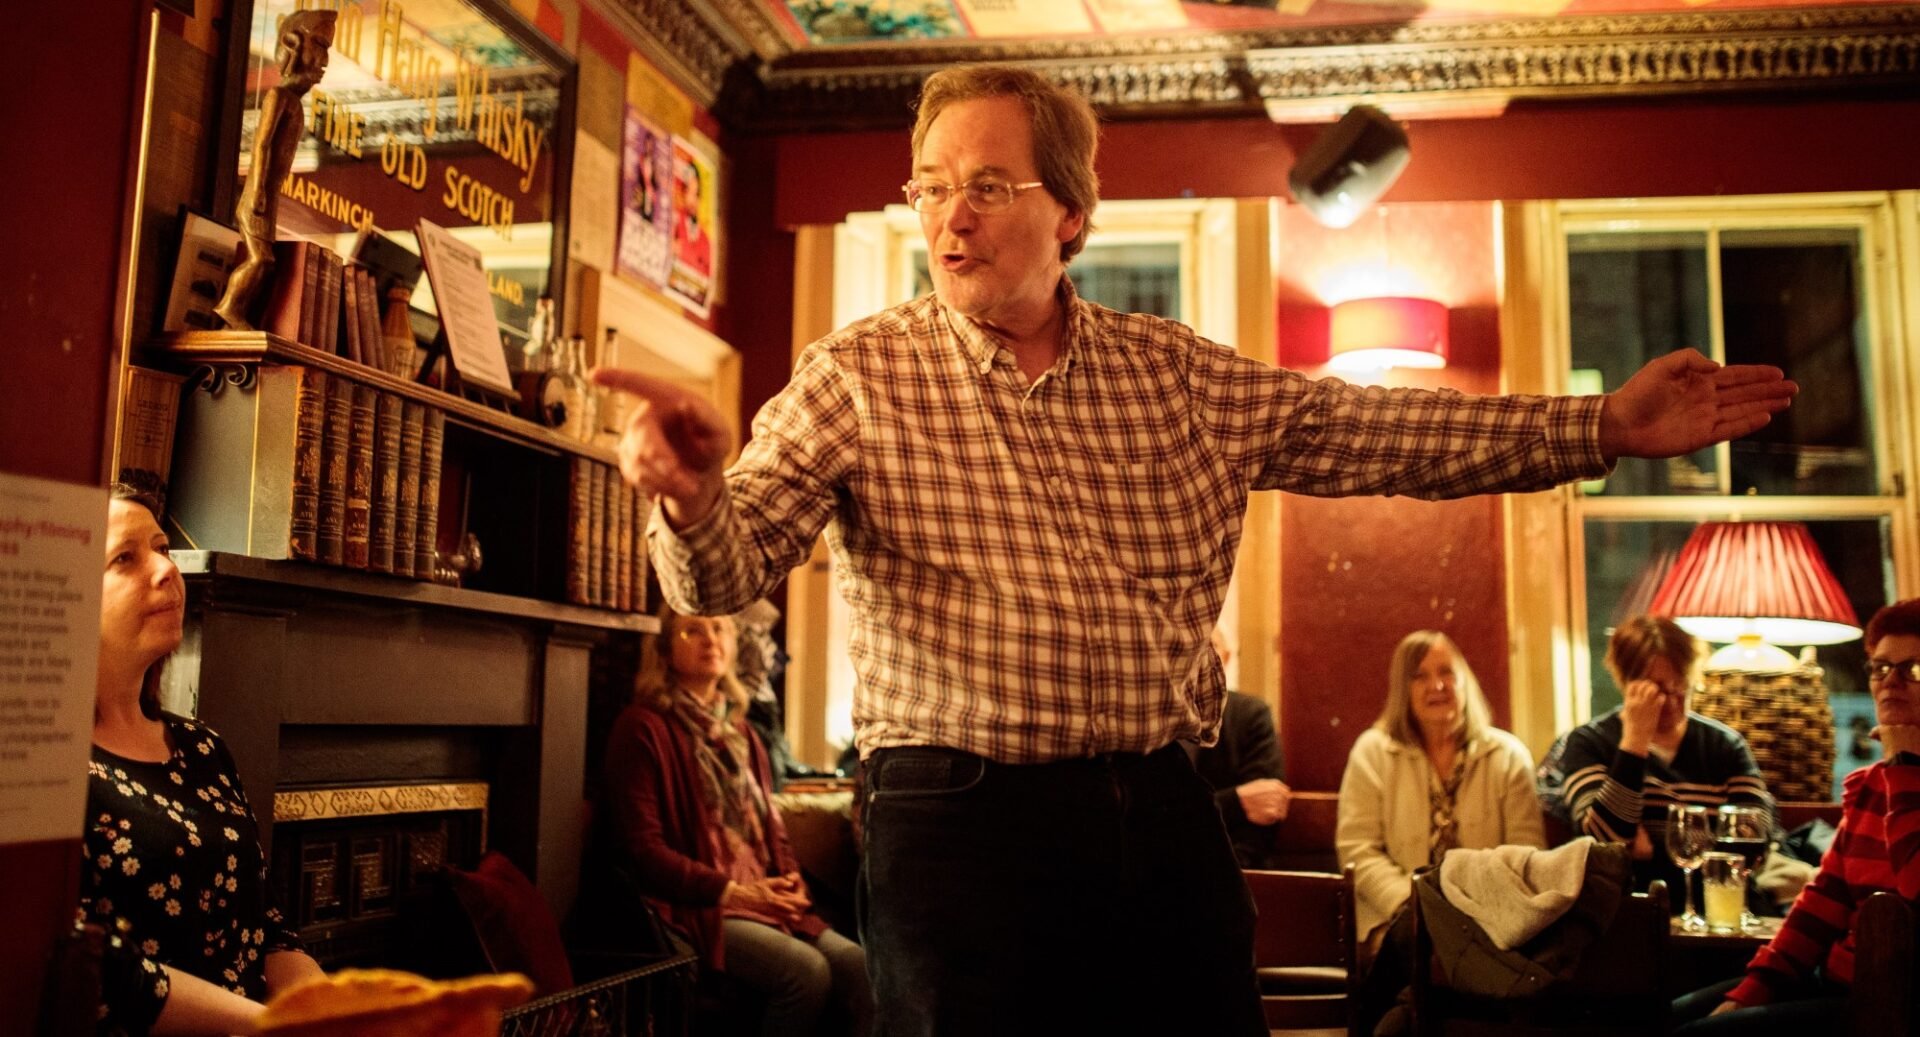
(1033, 504)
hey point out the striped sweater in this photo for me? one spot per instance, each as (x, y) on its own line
(1876, 849)
(1610, 793)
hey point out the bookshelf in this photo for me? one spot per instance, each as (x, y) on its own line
(328, 676)
(262, 468)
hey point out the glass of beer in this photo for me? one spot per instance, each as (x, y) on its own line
(1723, 876)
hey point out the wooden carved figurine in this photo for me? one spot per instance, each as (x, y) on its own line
(305, 37)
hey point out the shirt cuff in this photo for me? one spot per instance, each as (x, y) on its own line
(674, 552)
(1573, 436)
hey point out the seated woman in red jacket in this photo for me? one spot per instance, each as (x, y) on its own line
(688, 788)
(1799, 982)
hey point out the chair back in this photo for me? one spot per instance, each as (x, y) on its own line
(1885, 955)
(1303, 947)
(1616, 990)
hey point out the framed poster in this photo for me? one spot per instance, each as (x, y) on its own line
(457, 112)
(695, 230)
(646, 202)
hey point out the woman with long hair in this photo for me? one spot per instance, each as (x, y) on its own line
(1432, 774)
(690, 798)
(173, 868)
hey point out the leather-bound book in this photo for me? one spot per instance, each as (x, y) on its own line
(386, 481)
(333, 472)
(360, 477)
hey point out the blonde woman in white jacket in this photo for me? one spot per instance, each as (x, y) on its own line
(1431, 774)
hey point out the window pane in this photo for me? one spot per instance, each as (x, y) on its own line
(1627, 558)
(1792, 299)
(1131, 278)
(1631, 298)
(1138, 278)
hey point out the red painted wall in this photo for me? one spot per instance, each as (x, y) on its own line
(1362, 573)
(62, 214)
(1564, 150)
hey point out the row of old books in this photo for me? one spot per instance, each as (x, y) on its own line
(313, 466)
(606, 550)
(322, 301)
(366, 475)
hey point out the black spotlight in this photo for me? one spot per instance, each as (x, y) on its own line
(1350, 166)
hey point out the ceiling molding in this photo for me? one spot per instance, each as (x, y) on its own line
(689, 46)
(1594, 57)
(744, 64)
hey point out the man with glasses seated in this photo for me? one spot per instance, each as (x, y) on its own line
(1626, 769)
(1799, 982)
(1034, 504)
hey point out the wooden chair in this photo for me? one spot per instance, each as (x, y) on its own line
(1885, 957)
(1617, 990)
(1303, 948)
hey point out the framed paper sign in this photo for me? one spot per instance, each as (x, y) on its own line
(460, 290)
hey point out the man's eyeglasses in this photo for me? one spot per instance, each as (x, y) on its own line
(984, 194)
(1879, 670)
(707, 633)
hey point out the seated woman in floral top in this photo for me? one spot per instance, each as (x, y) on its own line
(173, 868)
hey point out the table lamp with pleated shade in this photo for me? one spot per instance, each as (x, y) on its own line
(1755, 585)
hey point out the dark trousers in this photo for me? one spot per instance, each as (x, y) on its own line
(1819, 1007)
(1081, 896)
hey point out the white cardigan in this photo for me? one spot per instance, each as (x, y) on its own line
(1385, 816)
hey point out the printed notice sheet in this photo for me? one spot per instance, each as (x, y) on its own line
(50, 561)
(465, 303)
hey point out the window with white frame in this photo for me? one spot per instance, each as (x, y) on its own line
(1806, 284)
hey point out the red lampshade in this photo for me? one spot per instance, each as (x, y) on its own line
(1764, 578)
(1375, 334)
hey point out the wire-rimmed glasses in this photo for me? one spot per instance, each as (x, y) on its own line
(1691, 831)
(984, 194)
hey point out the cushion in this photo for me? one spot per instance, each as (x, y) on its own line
(515, 927)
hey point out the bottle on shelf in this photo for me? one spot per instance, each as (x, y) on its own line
(543, 337)
(576, 395)
(396, 333)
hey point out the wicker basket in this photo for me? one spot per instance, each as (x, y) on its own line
(1787, 721)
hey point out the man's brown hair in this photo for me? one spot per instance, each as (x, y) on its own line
(1642, 639)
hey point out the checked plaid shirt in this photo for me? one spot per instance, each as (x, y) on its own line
(1033, 568)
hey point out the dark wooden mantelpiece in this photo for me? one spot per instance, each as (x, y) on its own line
(319, 676)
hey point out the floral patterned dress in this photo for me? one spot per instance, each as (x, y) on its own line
(173, 871)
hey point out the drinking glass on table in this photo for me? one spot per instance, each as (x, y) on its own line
(1723, 876)
(1746, 831)
(1690, 834)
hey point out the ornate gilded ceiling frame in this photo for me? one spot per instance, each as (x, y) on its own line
(1295, 74)
(1472, 68)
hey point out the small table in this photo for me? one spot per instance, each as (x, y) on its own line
(1702, 958)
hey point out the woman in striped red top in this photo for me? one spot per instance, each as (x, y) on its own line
(1801, 978)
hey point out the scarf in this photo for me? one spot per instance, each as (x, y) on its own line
(727, 784)
(1445, 834)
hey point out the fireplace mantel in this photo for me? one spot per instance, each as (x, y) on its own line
(320, 676)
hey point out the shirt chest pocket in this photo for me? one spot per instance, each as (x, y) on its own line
(1154, 515)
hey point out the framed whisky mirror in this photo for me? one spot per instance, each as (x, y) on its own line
(456, 111)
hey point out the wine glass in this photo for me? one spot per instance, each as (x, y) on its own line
(1746, 831)
(1690, 834)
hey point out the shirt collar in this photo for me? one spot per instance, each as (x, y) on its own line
(981, 347)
